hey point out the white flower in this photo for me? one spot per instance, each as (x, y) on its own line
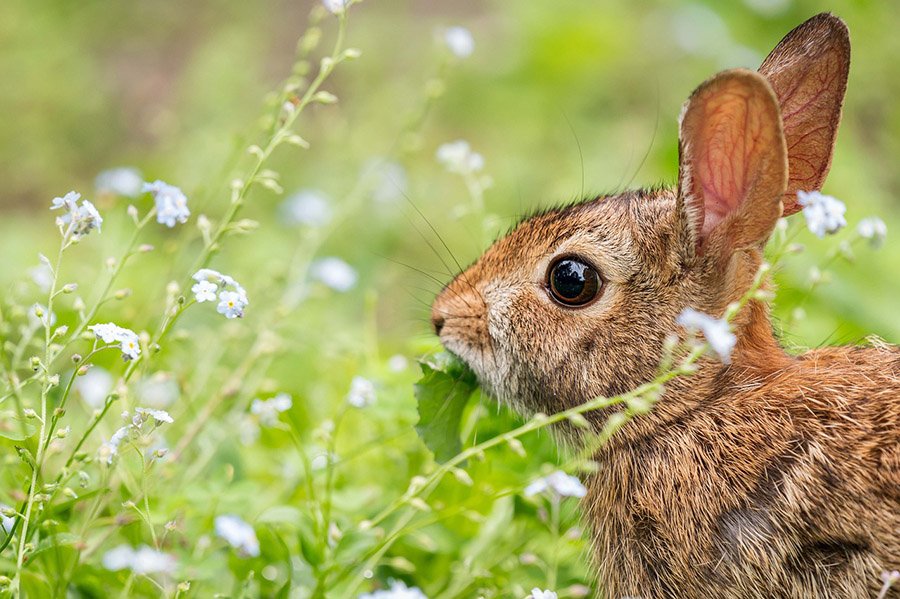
(144, 560)
(213, 276)
(307, 207)
(171, 203)
(159, 416)
(204, 291)
(537, 593)
(458, 157)
(238, 534)
(6, 522)
(68, 201)
(320, 460)
(362, 392)
(717, 332)
(94, 386)
(558, 483)
(78, 219)
(42, 275)
(397, 363)
(398, 590)
(873, 229)
(231, 304)
(267, 410)
(824, 214)
(119, 558)
(335, 6)
(123, 181)
(232, 297)
(86, 219)
(126, 338)
(459, 41)
(110, 449)
(334, 273)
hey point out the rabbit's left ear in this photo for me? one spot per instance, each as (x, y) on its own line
(808, 71)
(732, 164)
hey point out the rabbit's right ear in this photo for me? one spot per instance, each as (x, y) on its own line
(732, 168)
(808, 71)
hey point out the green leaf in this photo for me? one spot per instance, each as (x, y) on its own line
(441, 396)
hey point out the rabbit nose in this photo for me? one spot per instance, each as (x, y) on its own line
(437, 321)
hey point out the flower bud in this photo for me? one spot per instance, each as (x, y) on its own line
(323, 97)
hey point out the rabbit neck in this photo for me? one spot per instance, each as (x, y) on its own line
(756, 357)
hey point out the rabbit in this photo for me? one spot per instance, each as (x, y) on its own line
(771, 476)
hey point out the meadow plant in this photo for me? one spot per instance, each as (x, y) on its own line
(187, 467)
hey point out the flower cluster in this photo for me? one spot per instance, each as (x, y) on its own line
(558, 484)
(267, 411)
(143, 560)
(171, 203)
(335, 7)
(459, 41)
(126, 338)
(458, 157)
(717, 332)
(537, 593)
(362, 392)
(79, 219)
(238, 534)
(334, 273)
(211, 283)
(123, 181)
(873, 229)
(135, 427)
(307, 207)
(824, 214)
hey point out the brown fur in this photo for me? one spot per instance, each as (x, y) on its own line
(774, 476)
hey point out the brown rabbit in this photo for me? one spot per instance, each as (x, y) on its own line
(772, 476)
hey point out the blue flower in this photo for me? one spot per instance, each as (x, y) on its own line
(824, 214)
(171, 203)
(123, 181)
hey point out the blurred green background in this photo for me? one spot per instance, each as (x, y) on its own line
(563, 99)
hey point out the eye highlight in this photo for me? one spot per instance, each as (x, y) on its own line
(573, 282)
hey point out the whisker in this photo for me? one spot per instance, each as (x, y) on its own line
(580, 153)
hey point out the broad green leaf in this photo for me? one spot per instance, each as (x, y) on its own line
(441, 396)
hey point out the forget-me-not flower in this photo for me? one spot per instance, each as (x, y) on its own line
(824, 214)
(717, 332)
(171, 203)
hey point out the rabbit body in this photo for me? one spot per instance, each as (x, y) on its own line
(782, 483)
(770, 476)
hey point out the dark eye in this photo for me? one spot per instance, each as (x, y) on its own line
(573, 282)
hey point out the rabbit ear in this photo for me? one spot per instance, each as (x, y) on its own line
(733, 163)
(808, 71)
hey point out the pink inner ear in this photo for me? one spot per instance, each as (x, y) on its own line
(729, 142)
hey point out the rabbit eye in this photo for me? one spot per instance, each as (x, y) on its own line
(573, 282)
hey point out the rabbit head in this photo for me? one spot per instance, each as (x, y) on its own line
(577, 301)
